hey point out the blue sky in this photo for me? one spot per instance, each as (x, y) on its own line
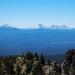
(26, 13)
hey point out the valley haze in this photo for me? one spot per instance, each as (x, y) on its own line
(49, 41)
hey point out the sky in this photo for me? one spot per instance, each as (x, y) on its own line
(28, 13)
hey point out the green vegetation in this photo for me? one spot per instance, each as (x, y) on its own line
(34, 64)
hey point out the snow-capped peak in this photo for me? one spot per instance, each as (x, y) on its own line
(5, 25)
(59, 27)
(38, 26)
(41, 26)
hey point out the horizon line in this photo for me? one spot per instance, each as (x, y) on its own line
(39, 26)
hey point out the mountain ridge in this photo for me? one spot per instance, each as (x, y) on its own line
(39, 26)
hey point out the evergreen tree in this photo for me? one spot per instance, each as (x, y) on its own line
(37, 70)
(29, 56)
(18, 70)
(42, 59)
(28, 66)
(36, 56)
(49, 62)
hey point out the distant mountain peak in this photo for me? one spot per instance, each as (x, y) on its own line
(59, 27)
(5, 26)
(39, 26)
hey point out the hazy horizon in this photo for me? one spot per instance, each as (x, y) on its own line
(27, 13)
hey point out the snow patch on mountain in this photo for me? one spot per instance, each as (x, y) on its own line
(5, 25)
(59, 27)
(39, 26)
